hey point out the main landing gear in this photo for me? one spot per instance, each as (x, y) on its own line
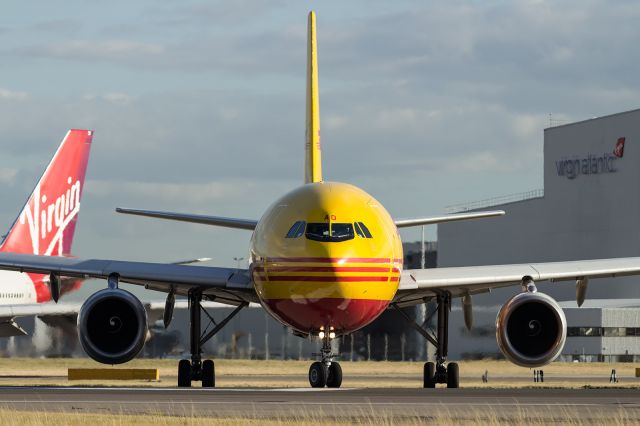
(325, 372)
(437, 372)
(196, 368)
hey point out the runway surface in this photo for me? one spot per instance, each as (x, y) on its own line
(547, 404)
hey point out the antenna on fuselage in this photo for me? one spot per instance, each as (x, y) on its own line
(313, 160)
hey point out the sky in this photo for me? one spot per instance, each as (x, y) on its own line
(199, 106)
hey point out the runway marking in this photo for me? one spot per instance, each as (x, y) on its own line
(142, 389)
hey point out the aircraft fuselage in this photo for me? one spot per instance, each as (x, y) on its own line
(326, 257)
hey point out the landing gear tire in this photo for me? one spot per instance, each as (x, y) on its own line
(334, 378)
(208, 374)
(453, 375)
(429, 375)
(184, 373)
(437, 372)
(196, 369)
(318, 374)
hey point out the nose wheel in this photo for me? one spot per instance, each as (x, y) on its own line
(318, 375)
(326, 372)
(334, 379)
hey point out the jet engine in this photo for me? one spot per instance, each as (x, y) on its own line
(531, 329)
(112, 326)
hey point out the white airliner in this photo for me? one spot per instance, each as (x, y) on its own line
(326, 259)
(45, 226)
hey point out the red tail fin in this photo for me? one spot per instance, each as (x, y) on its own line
(47, 221)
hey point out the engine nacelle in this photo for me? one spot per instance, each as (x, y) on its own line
(531, 329)
(112, 326)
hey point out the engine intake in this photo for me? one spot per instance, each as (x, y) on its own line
(112, 326)
(531, 329)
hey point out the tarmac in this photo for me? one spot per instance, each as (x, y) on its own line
(425, 404)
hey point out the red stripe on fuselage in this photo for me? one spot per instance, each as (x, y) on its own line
(324, 279)
(323, 269)
(338, 260)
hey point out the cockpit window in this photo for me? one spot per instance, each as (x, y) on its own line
(365, 230)
(335, 232)
(296, 230)
(341, 231)
(318, 231)
(358, 230)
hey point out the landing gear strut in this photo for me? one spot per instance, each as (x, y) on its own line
(437, 372)
(325, 372)
(196, 368)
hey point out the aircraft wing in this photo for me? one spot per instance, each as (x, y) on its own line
(404, 223)
(225, 285)
(416, 285)
(227, 222)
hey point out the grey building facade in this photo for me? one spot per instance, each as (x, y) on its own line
(603, 330)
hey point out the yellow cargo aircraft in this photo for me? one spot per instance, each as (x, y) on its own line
(326, 260)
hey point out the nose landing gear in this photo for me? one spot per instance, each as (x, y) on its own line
(325, 372)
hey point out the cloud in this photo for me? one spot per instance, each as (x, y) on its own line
(218, 13)
(59, 26)
(119, 98)
(116, 98)
(199, 194)
(11, 95)
(7, 175)
(85, 50)
(333, 121)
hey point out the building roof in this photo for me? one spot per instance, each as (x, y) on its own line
(591, 119)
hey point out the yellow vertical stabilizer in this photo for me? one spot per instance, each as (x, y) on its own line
(313, 160)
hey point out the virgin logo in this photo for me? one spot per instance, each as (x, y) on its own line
(619, 149)
(47, 217)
